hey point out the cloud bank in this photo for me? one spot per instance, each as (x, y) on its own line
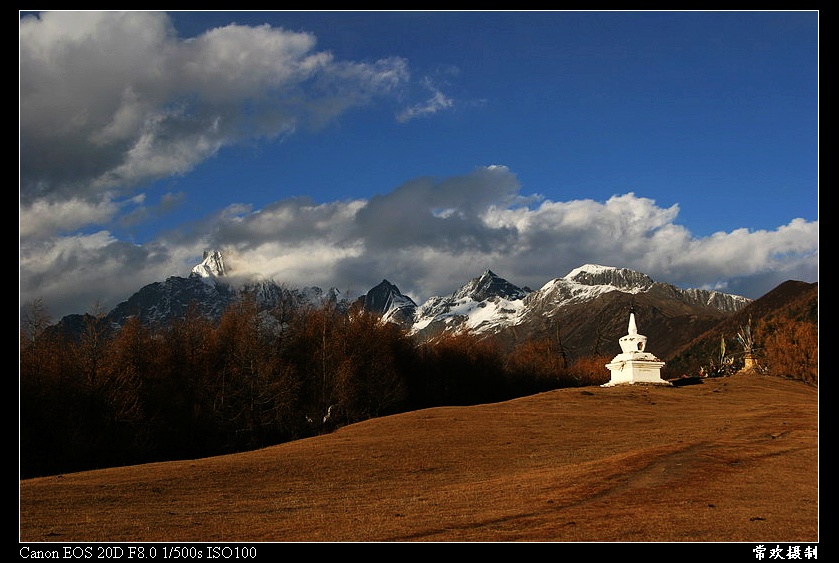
(428, 236)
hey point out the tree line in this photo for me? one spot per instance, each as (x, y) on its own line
(196, 388)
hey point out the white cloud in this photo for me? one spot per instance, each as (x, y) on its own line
(73, 274)
(110, 100)
(434, 100)
(43, 218)
(399, 236)
(743, 252)
(435, 103)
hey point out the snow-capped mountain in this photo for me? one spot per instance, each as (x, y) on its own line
(586, 308)
(606, 276)
(206, 290)
(160, 302)
(483, 304)
(490, 304)
(591, 280)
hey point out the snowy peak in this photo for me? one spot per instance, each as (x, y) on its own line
(212, 266)
(481, 305)
(620, 278)
(586, 283)
(489, 303)
(488, 286)
(718, 300)
(269, 294)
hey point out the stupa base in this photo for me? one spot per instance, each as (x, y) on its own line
(631, 372)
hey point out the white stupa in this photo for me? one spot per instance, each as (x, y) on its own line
(634, 365)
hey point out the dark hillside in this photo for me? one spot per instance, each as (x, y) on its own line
(792, 300)
(594, 328)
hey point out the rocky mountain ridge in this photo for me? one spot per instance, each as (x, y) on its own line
(585, 308)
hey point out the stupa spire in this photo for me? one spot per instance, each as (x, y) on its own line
(633, 328)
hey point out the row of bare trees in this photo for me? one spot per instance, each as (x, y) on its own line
(194, 388)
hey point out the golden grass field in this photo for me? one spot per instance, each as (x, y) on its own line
(732, 459)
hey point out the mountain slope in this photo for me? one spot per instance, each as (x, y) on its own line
(792, 299)
(586, 310)
(594, 327)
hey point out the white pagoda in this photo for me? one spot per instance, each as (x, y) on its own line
(634, 365)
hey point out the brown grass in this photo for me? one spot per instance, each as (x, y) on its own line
(729, 460)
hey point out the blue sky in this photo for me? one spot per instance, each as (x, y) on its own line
(341, 148)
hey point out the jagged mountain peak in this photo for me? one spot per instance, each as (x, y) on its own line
(384, 284)
(489, 285)
(490, 304)
(386, 300)
(212, 265)
(479, 305)
(386, 297)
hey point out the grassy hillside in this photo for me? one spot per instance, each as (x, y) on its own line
(730, 459)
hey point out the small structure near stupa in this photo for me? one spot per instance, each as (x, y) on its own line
(634, 364)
